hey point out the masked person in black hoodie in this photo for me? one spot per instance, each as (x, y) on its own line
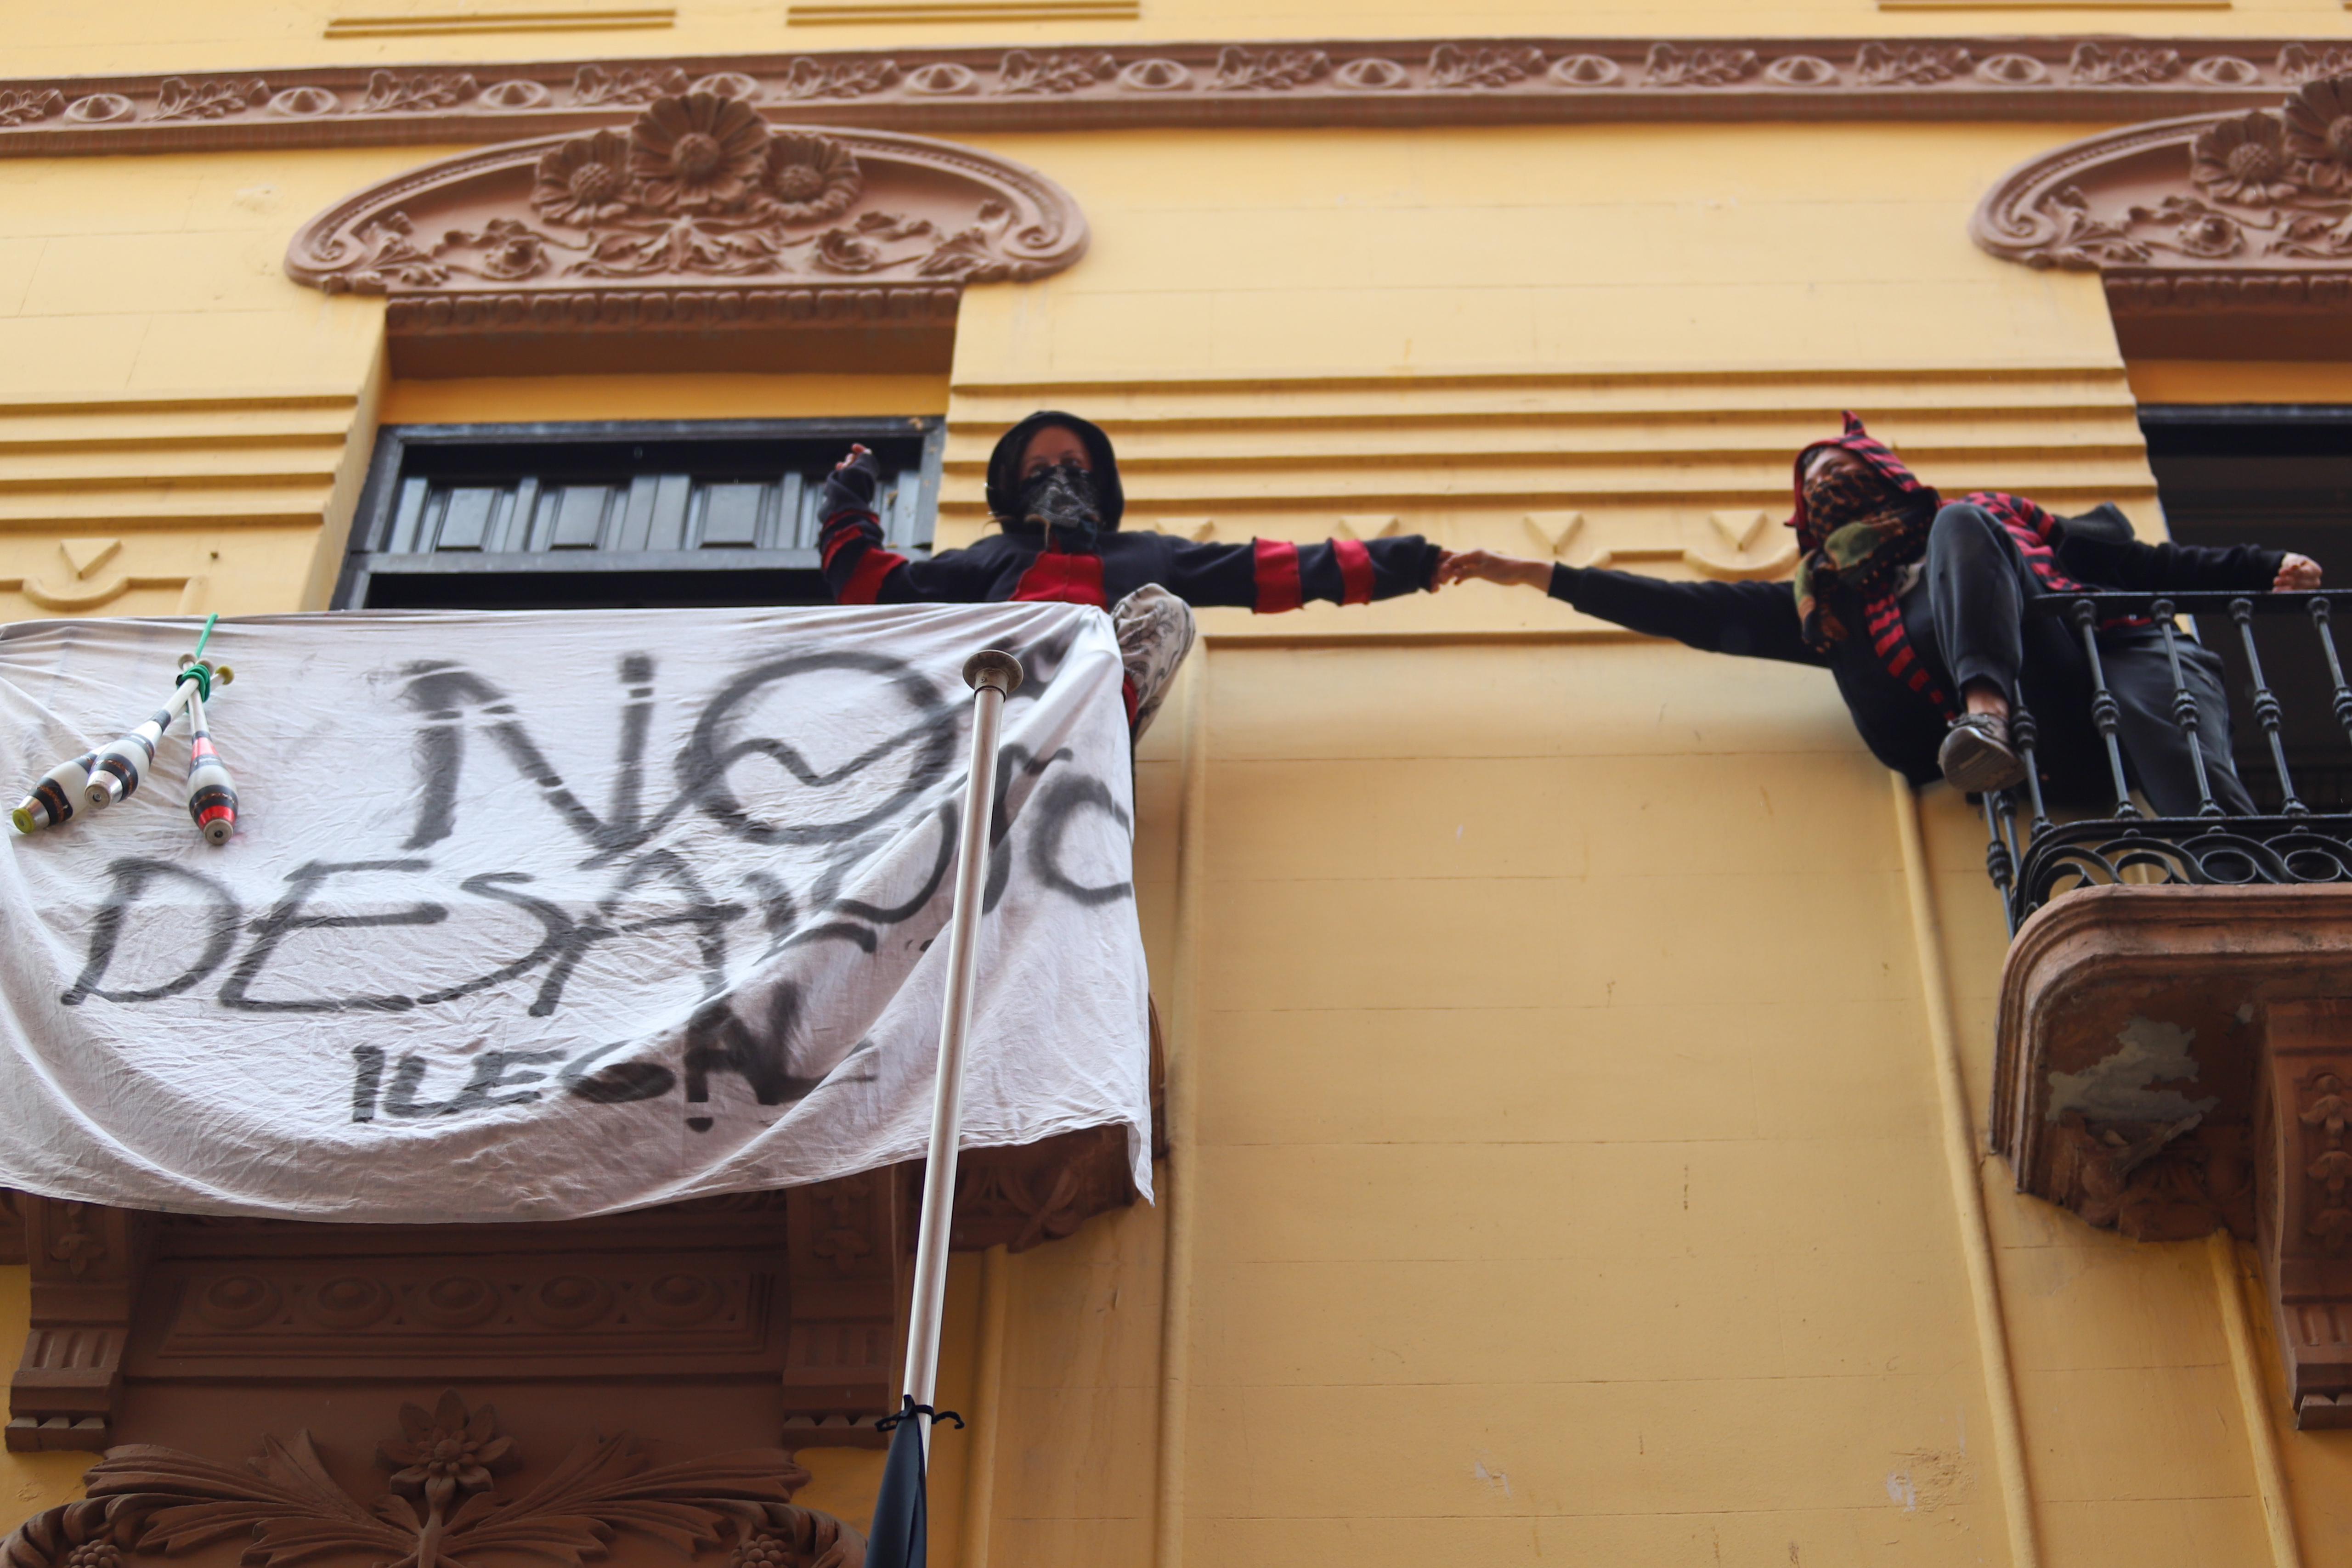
(1917, 610)
(1054, 492)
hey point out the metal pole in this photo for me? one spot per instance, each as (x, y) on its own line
(993, 675)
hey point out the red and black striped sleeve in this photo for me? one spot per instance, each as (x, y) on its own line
(858, 566)
(861, 569)
(1273, 575)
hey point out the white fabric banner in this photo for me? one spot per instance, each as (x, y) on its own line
(539, 916)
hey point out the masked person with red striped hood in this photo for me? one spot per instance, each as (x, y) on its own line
(1916, 608)
(1054, 495)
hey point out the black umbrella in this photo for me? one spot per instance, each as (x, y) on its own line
(901, 1535)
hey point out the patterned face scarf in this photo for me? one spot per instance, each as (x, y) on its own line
(1061, 497)
(1858, 529)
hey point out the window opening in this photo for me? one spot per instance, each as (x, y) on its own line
(2278, 475)
(612, 515)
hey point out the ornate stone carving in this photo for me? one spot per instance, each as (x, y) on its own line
(2299, 63)
(2242, 211)
(388, 92)
(176, 97)
(664, 224)
(1917, 65)
(1800, 71)
(1021, 72)
(594, 85)
(441, 1504)
(2177, 1060)
(87, 1263)
(1268, 70)
(851, 1246)
(2102, 64)
(1671, 65)
(1019, 1197)
(2154, 1181)
(2306, 1222)
(23, 106)
(1460, 66)
(826, 79)
(1340, 81)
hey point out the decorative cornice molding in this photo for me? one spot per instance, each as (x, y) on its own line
(2239, 211)
(1322, 82)
(699, 215)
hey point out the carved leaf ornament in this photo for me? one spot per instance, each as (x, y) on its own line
(441, 1508)
(2240, 205)
(666, 220)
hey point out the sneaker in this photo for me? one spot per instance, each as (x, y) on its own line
(1976, 758)
(1155, 632)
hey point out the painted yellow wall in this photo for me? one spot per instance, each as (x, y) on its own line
(1559, 1170)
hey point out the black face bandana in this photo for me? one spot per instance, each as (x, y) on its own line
(1062, 498)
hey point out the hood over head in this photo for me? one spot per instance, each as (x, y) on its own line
(1005, 468)
(1875, 457)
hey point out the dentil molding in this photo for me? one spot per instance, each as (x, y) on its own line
(1316, 82)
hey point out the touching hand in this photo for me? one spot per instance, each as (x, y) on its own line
(851, 486)
(2297, 574)
(1492, 566)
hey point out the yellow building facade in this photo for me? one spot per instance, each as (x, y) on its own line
(1579, 1047)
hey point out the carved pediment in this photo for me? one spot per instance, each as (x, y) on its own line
(699, 213)
(2244, 211)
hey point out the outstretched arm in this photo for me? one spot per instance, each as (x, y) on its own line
(1272, 575)
(2103, 557)
(1758, 620)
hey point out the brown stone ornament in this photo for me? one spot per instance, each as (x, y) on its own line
(2177, 1060)
(445, 1504)
(699, 218)
(2202, 228)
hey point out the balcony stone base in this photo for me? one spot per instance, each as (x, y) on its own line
(2175, 1060)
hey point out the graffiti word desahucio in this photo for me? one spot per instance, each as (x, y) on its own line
(463, 721)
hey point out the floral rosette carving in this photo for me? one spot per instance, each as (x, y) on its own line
(812, 178)
(699, 151)
(2242, 158)
(586, 181)
(2319, 134)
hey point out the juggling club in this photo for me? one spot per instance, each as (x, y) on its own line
(52, 800)
(115, 776)
(212, 793)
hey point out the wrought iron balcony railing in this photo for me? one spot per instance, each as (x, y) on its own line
(2034, 862)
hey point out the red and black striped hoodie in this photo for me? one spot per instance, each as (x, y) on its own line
(1023, 563)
